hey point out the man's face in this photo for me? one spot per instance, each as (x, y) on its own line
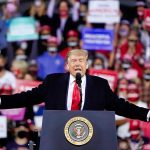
(73, 42)
(77, 64)
(2, 63)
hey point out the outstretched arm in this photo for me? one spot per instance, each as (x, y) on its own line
(124, 108)
(24, 99)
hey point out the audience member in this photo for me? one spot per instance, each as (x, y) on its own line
(50, 61)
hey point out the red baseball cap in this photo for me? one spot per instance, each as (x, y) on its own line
(134, 125)
(72, 33)
(134, 128)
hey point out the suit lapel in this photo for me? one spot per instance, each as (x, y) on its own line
(88, 93)
(64, 91)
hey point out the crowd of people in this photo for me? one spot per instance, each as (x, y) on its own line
(59, 24)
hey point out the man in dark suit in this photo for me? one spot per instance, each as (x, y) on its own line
(59, 92)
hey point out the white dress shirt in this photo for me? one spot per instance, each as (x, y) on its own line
(70, 91)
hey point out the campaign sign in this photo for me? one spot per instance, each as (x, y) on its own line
(109, 75)
(21, 85)
(97, 39)
(22, 28)
(14, 114)
(24, 85)
(3, 127)
(103, 11)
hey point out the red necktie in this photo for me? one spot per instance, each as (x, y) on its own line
(75, 98)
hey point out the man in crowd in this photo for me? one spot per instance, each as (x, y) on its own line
(72, 42)
(21, 137)
(7, 79)
(61, 92)
(50, 61)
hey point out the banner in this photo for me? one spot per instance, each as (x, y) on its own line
(97, 39)
(21, 85)
(103, 11)
(22, 28)
(109, 75)
(3, 127)
(24, 85)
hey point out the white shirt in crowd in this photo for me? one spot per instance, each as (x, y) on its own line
(8, 78)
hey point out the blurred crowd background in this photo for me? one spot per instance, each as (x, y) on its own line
(59, 26)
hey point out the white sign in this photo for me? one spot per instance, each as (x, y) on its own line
(3, 127)
(38, 121)
(101, 11)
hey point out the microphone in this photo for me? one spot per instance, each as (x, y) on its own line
(79, 81)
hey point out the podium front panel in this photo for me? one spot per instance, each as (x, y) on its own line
(104, 130)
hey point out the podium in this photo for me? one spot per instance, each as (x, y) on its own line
(97, 130)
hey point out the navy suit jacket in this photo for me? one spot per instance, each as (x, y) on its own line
(53, 91)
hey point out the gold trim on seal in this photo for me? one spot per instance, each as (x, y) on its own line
(82, 134)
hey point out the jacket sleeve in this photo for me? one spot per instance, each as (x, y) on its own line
(123, 107)
(24, 99)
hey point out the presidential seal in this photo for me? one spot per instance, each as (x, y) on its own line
(78, 131)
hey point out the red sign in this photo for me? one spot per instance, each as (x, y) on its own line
(145, 126)
(109, 75)
(24, 85)
(21, 85)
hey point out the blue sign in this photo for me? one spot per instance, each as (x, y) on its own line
(97, 39)
(22, 28)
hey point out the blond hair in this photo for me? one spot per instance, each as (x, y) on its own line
(41, 11)
(80, 52)
(21, 65)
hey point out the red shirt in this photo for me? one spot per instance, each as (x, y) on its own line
(135, 57)
(64, 52)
